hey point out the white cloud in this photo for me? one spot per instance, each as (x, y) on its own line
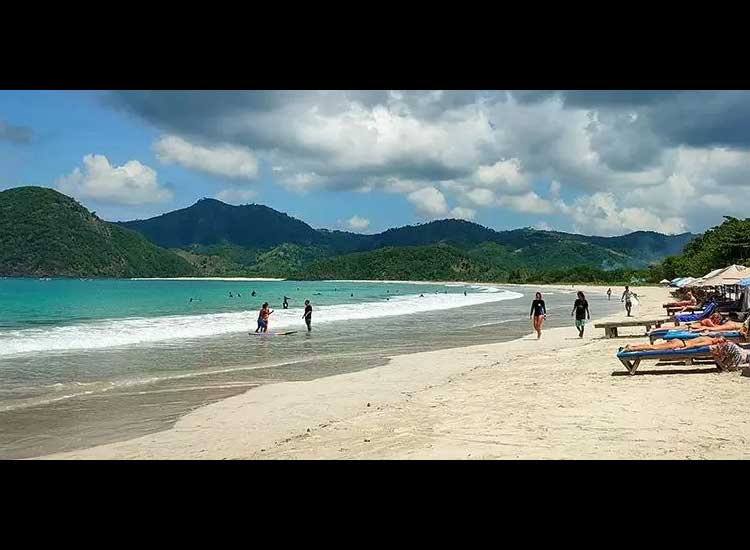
(302, 182)
(600, 214)
(481, 197)
(130, 184)
(429, 202)
(236, 196)
(554, 189)
(529, 203)
(463, 213)
(229, 161)
(504, 174)
(356, 223)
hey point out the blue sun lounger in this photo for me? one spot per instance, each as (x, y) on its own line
(631, 359)
(673, 334)
(692, 317)
(686, 335)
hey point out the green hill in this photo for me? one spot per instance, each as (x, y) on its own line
(220, 229)
(720, 246)
(44, 233)
(433, 263)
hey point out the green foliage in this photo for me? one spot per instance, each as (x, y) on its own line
(720, 246)
(44, 233)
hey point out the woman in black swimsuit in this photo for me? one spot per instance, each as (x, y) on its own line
(539, 312)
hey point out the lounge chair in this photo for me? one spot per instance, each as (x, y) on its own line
(692, 317)
(733, 335)
(631, 359)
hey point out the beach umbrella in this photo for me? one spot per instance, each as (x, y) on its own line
(731, 275)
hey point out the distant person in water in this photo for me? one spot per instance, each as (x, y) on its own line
(285, 305)
(230, 295)
(539, 313)
(252, 293)
(609, 294)
(308, 315)
(191, 300)
(239, 295)
(464, 293)
(421, 295)
(581, 310)
(263, 316)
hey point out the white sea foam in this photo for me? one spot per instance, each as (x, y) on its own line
(131, 331)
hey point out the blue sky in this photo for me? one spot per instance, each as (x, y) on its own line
(592, 162)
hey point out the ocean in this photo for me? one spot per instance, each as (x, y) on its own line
(85, 362)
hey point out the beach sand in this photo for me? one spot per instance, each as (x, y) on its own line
(559, 397)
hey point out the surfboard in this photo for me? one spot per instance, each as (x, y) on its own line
(272, 333)
(634, 301)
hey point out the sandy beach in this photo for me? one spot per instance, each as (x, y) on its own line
(559, 397)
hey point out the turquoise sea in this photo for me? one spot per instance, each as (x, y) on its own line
(84, 362)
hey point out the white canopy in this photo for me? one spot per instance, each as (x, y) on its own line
(731, 275)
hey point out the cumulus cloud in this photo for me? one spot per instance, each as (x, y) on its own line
(229, 161)
(504, 174)
(14, 134)
(529, 203)
(355, 223)
(130, 184)
(661, 153)
(600, 214)
(429, 202)
(463, 213)
(236, 196)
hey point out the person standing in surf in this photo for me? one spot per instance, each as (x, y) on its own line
(308, 315)
(609, 294)
(263, 316)
(627, 297)
(539, 313)
(581, 310)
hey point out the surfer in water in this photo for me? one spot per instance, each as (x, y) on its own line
(263, 315)
(539, 312)
(308, 315)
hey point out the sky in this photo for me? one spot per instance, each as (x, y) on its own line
(595, 162)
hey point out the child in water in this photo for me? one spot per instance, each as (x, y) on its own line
(263, 315)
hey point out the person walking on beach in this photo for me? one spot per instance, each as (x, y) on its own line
(308, 315)
(609, 294)
(263, 315)
(581, 310)
(627, 297)
(539, 312)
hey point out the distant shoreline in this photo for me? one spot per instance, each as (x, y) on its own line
(205, 279)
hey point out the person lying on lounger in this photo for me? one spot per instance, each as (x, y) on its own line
(727, 326)
(691, 301)
(677, 344)
(711, 322)
(714, 323)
